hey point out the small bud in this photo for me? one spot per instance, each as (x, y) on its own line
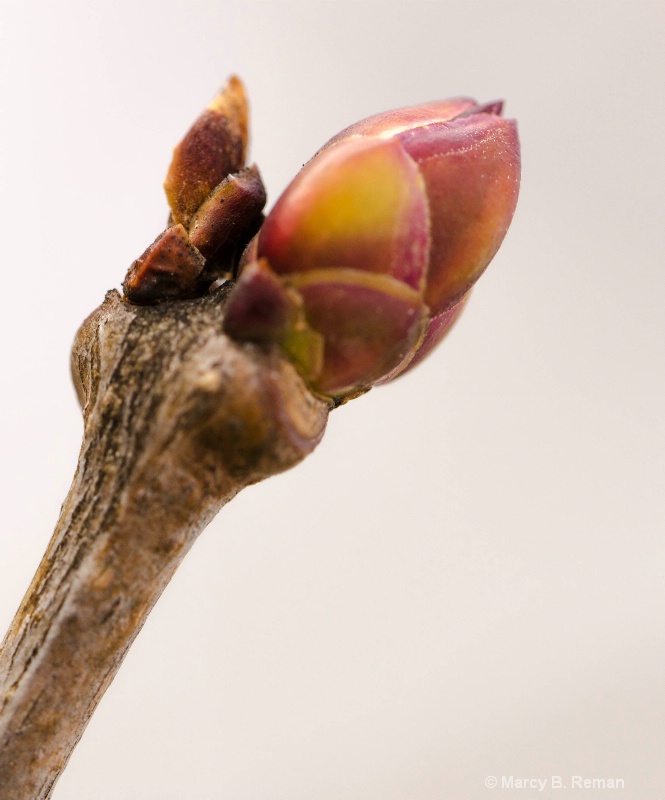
(229, 215)
(214, 147)
(168, 269)
(265, 309)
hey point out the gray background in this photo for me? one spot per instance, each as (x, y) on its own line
(466, 578)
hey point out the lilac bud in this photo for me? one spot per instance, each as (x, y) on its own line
(382, 234)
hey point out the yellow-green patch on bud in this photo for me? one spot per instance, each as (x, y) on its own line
(360, 205)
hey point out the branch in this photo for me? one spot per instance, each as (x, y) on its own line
(360, 269)
(178, 419)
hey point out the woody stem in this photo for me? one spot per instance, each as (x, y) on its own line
(178, 419)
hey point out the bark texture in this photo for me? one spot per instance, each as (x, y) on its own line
(178, 418)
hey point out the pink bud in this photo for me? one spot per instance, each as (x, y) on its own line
(385, 230)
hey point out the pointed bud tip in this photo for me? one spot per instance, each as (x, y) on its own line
(231, 102)
(214, 147)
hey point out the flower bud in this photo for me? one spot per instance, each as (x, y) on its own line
(381, 236)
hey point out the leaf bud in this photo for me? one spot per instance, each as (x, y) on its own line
(214, 147)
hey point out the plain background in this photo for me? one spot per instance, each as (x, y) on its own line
(466, 579)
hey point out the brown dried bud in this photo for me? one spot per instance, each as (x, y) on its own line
(214, 147)
(230, 215)
(169, 268)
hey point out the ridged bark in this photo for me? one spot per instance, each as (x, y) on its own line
(178, 419)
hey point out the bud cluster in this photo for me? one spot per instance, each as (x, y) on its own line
(366, 259)
(215, 201)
